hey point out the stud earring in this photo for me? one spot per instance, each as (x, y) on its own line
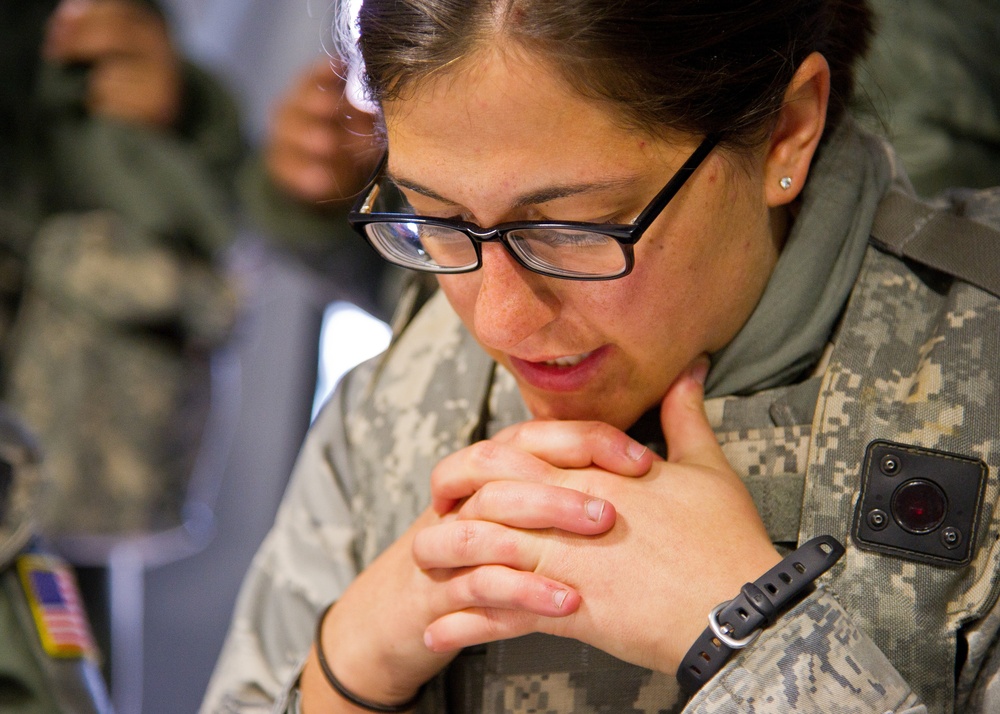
(785, 182)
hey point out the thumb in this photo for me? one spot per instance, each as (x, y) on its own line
(689, 436)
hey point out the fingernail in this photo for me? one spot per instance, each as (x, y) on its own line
(595, 509)
(558, 597)
(428, 640)
(635, 450)
(699, 370)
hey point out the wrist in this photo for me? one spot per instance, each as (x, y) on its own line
(736, 623)
(360, 685)
(720, 586)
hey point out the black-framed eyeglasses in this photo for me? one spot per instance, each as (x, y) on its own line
(572, 250)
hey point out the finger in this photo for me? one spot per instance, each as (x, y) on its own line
(326, 72)
(502, 602)
(465, 544)
(304, 135)
(326, 104)
(313, 119)
(319, 101)
(537, 506)
(579, 444)
(306, 181)
(496, 586)
(313, 175)
(689, 436)
(84, 30)
(461, 474)
(480, 625)
(504, 537)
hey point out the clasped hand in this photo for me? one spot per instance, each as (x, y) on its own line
(573, 529)
(566, 528)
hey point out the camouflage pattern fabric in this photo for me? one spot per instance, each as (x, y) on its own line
(932, 83)
(32, 681)
(111, 294)
(109, 364)
(914, 360)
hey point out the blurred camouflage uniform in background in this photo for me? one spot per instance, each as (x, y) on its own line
(932, 79)
(111, 293)
(44, 666)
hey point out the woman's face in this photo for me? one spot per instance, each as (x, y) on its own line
(503, 138)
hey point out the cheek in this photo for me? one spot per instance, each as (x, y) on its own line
(666, 287)
(461, 291)
(694, 287)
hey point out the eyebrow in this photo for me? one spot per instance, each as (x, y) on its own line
(529, 199)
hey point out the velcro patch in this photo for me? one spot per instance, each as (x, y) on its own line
(56, 606)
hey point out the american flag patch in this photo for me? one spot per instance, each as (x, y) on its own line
(55, 604)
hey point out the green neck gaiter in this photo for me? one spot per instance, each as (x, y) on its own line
(791, 325)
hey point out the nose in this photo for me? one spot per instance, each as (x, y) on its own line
(512, 303)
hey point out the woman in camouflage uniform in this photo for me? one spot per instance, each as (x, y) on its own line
(528, 503)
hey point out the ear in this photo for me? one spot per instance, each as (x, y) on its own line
(798, 130)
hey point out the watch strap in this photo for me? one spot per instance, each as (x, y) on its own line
(735, 624)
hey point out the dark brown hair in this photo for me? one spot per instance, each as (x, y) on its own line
(697, 66)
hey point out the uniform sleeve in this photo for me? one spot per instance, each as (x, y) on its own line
(814, 659)
(304, 563)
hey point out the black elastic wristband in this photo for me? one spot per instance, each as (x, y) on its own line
(735, 624)
(347, 693)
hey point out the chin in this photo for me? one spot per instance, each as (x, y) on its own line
(567, 410)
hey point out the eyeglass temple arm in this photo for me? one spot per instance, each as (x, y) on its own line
(679, 179)
(371, 189)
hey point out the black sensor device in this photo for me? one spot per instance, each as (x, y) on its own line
(920, 504)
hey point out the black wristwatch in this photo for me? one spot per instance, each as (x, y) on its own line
(735, 624)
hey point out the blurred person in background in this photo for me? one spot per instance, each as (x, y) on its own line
(116, 206)
(932, 83)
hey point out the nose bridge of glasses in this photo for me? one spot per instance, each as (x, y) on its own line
(484, 235)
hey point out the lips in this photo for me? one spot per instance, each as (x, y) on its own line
(560, 374)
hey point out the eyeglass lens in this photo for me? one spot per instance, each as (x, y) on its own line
(561, 251)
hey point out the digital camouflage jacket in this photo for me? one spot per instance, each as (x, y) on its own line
(912, 361)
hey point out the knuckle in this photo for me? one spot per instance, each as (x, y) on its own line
(438, 476)
(465, 539)
(496, 623)
(601, 433)
(484, 453)
(519, 432)
(595, 429)
(470, 588)
(523, 593)
(508, 548)
(488, 498)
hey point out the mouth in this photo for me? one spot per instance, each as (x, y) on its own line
(567, 373)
